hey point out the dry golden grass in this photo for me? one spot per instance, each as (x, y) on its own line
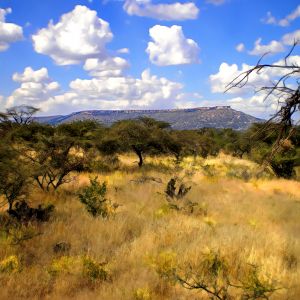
(249, 222)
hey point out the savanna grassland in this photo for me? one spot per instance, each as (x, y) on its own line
(233, 235)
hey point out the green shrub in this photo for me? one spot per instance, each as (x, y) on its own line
(10, 264)
(94, 270)
(164, 263)
(65, 265)
(142, 294)
(94, 199)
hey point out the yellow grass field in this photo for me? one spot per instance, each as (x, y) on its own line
(245, 220)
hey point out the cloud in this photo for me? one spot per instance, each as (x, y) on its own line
(29, 75)
(124, 91)
(78, 35)
(9, 32)
(256, 104)
(171, 47)
(244, 98)
(123, 51)
(290, 38)
(81, 37)
(216, 2)
(272, 48)
(286, 21)
(240, 47)
(168, 12)
(36, 87)
(227, 73)
(110, 67)
(103, 92)
(269, 19)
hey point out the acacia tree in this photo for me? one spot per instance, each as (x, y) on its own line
(54, 161)
(21, 114)
(142, 136)
(51, 153)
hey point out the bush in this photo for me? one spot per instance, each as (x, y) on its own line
(165, 264)
(64, 265)
(84, 266)
(213, 276)
(94, 270)
(94, 199)
(142, 294)
(24, 213)
(10, 264)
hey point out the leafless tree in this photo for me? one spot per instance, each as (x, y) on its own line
(286, 89)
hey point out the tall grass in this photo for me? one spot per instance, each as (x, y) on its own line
(252, 221)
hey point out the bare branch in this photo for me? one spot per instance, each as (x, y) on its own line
(288, 97)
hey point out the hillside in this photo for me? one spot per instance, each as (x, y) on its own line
(193, 118)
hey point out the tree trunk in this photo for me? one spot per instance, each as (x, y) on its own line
(138, 152)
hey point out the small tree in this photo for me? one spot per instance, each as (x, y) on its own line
(54, 161)
(94, 198)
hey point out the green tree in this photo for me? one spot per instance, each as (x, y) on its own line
(15, 174)
(53, 152)
(142, 136)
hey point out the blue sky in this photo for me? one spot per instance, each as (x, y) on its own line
(140, 54)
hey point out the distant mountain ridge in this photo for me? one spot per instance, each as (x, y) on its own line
(188, 118)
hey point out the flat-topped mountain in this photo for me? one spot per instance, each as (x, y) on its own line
(191, 118)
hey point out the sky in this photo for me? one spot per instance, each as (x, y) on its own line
(67, 56)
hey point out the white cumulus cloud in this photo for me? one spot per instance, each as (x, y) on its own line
(9, 32)
(78, 35)
(109, 67)
(171, 47)
(227, 73)
(122, 92)
(169, 12)
(244, 98)
(101, 92)
(255, 104)
(36, 87)
(272, 48)
(29, 75)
